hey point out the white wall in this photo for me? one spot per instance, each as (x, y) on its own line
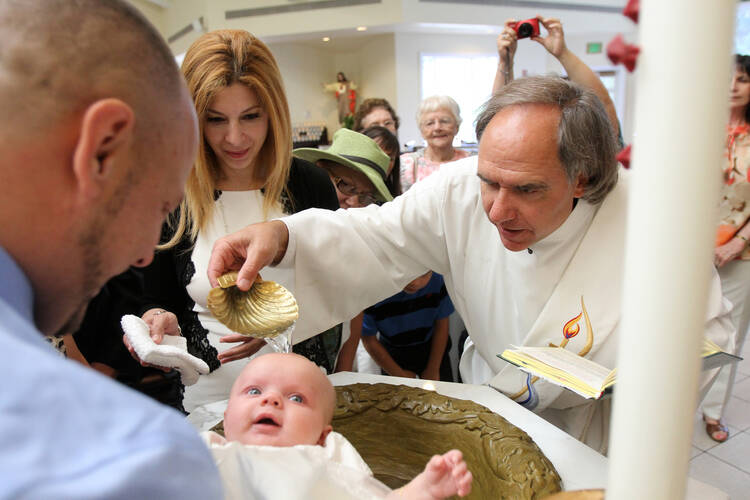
(577, 44)
(304, 70)
(155, 14)
(305, 67)
(530, 59)
(388, 66)
(378, 69)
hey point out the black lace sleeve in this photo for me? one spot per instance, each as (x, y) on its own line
(165, 282)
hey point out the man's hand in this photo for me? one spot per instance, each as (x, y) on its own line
(728, 251)
(249, 250)
(248, 347)
(554, 42)
(160, 322)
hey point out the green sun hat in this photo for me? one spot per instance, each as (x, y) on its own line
(356, 151)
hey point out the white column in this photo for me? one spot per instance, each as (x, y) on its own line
(680, 117)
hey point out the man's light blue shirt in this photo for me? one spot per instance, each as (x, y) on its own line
(69, 432)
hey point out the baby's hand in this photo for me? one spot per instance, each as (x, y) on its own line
(448, 475)
(444, 476)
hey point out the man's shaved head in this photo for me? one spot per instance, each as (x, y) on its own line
(59, 56)
(98, 136)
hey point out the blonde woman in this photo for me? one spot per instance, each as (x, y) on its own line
(438, 119)
(244, 173)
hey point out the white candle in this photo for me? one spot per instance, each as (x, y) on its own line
(680, 117)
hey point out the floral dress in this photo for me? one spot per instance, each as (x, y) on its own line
(415, 166)
(734, 209)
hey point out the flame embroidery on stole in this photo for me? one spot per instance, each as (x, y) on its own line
(569, 330)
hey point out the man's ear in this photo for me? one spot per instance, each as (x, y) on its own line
(106, 132)
(580, 186)
(323, 435)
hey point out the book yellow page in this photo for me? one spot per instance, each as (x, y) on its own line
(563, 367)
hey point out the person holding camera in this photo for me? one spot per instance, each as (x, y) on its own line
(554, 42)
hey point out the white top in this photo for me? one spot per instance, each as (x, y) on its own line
(232, 211)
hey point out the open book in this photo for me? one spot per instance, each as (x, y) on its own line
(583, 376)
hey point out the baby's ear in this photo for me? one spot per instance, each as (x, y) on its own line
(323, 435)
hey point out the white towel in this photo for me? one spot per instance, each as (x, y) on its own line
(171, 353)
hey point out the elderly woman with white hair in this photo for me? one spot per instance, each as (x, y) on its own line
(438, 118)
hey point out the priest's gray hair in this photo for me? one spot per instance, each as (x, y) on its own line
(586, 143)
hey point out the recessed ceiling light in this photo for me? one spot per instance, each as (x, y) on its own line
(326, 39)
(361, 28)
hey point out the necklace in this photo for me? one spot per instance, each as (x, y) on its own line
(223, 215)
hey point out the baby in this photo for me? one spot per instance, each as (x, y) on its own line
(283, 400)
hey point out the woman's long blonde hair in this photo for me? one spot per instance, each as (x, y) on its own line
(213, 62)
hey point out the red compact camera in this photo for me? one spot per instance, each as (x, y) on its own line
(527, 28)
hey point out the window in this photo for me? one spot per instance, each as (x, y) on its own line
(742, 31)
(466, 78)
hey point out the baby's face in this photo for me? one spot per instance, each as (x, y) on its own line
(279, 400)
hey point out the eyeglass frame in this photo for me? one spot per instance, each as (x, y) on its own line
(444, 121)
(349, 190)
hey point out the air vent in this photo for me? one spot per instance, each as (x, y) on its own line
(534, 4)
(196, 25)
(296, 7)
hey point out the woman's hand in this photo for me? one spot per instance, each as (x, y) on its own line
(507, 42)
(248, 347)
(728, 251)
(554, 42)
(160, 322)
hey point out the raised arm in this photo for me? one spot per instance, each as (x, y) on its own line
(576, 69)
(507, 42)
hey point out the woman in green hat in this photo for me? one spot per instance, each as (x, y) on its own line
(357, 167)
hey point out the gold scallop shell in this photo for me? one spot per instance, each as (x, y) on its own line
(266, 310)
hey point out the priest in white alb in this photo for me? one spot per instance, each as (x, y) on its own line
(529, 236)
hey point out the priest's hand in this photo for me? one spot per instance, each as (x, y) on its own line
(248, 250)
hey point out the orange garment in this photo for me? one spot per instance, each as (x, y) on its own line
(734, 209)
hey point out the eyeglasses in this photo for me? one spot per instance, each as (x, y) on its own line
(347, 189)
(444, 122)
(385, 123)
